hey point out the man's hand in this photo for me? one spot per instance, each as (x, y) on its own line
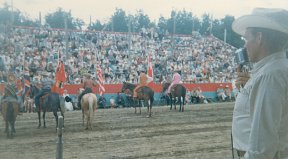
(242, 78)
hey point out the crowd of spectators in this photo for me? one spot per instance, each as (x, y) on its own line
(201, 59)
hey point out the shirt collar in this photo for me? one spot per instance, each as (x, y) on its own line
(268, 59)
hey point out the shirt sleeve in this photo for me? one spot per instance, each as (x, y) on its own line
(266, 100)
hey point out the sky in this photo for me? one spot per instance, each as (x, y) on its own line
(103, 9)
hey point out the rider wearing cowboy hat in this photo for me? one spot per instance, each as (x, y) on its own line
(144, 79)
(47, 83)
(10, 87)
(10, 93)
(88, 84)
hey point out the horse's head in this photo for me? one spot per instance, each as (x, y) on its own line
(33, 91)
(123, 87)
(165, 86)
(126, 86)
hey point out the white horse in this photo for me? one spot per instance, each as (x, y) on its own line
(89, 105)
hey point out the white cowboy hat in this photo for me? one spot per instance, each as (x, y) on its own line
(269, 18)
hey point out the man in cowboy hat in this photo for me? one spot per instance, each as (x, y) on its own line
(10, 92)
(10, 87)
(47, 83)
(144, 79)
(88, 84)
(260, 114)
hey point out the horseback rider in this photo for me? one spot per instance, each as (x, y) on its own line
(88, 84)
(10, 92)
(10, 87)
(175, 80)
(47, 83)
(144, 79)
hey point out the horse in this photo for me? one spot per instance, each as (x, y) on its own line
(89, 105)
(145, 94)
(9, 111)
(48, 102)
(177, 91)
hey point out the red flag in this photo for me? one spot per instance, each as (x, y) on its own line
(150, 67)
(60, 79)
(101, 80)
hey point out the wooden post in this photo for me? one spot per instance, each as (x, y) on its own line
(59, 150)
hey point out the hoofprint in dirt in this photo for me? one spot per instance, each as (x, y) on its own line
(201, 131)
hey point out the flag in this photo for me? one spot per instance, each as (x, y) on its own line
(26, 83)
(60, 79)
(100, 80)
(19, 86)
(150, 67)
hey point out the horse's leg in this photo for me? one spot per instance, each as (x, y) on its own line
(6, 126)
(180, 102)
(16, 111)
(150, 107)
(39, 117)
(44, 121)
(56, 118)
(175, 99)
(82, 116)
(87, 121)
(140, 105)
(171, 101)
(183, 103)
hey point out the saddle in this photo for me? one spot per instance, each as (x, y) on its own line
(44, 96)
(174, 86)
(8, 99)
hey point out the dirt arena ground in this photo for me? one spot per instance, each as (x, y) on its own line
(201, 132)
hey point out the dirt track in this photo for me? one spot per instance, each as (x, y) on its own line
(202, 132)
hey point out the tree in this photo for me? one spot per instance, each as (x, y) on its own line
(206, 26)
(142, 20)
(57, 20)
(119, 21)
(96, 26)
(8, 17)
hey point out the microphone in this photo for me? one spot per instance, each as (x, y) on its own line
(241, 57)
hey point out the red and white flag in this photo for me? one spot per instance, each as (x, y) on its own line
(100, 80)
(150, 67)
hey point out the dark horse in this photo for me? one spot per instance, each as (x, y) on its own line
(178, 92)
(9, 111)
(49, 102)
(145, 94)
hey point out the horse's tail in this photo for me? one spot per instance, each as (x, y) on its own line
(10, 112)
(90, 102)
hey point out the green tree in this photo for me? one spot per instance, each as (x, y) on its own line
(14, 18)
(57, 19)
(206, 24)
(96, 26)
(142, 20)
(120, 23)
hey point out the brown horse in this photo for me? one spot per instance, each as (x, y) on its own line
(9, 111)
(48, 102)
(144, 94)
(89, 105)
(178, 92)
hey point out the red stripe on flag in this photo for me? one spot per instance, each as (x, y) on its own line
(101, 80)
(150, 67)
